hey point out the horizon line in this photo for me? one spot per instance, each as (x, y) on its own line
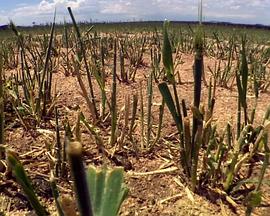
(213, 22)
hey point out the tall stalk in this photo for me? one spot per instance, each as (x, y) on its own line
(142, 116)
(197, 73)
(83, 53)
(173, 104)
(42, 87)
(149, 109)
(2, 117)
(169, 68)
(242, 81)
(113, 99)
(197, 123)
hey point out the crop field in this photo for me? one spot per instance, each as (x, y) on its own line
(144, 118)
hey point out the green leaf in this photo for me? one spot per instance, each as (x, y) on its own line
(242, 77)
(107, 190)
(25, 183)
(166, 94)
(167, 53)
(244, 66)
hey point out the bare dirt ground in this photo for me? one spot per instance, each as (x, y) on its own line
(150, 194)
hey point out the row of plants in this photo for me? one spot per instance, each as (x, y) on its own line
(209, 159)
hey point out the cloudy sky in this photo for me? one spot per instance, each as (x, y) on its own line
(24, 12)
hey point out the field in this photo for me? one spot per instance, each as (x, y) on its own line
(182, 107)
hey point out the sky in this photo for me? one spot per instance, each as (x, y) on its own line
(25, 12)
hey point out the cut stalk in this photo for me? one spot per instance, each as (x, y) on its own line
(198, 71)
(74, 152)
(126, 120)
(58, 146)
(134, 112)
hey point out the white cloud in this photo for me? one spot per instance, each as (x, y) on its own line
(251, 11)
(43, 11)
(48, 7)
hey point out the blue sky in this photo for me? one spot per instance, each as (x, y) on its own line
(25, 12)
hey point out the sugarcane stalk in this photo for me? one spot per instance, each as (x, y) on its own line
(74, 151)
(113, 100)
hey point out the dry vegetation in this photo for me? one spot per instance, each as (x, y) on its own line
(184, 112)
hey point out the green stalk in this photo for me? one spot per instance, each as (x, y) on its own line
(256, 92)
(56, 195)
(226, 74)
(230, 173)
(21, 43)
(238, 118)
(2, 115)
(134, 112)
(169, 68)
(123, 74)
(93, 130)
(210, 94)
(195, 156)
(68, 137)
(126, 120)
(99, 74)
(254, 198)
(167, 54)
(198, 71)
(174, 107)
(161, 114)
(177, 103)
(229, 135)
(24, 181)
(265, 162)
(58, 146)
(67, 47)
(77, 127)
(242, 80)
(166, 95)
(25, 84)
(142, 116)
(42, 89)
(113, 100)
(149, 109)
(83, 52)
(184, 107)
(187, 138)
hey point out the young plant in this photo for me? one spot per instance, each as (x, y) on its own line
(98, 192)
(242, 81)
(174, 107)
(24, 181)
(37, 102)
